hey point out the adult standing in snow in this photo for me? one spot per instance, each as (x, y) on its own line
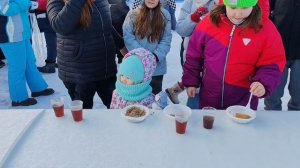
(85, 48)
(149, 27)
(15, 43)
(50, 37)
(286, 17)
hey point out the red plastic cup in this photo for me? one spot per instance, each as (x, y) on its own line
(180, 127)
(77, 115)
(181, 119)
(58, 110)
(58, 106)
(76, 108)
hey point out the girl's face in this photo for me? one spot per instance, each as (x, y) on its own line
(151, 3)
(238, 15)
(125, 80)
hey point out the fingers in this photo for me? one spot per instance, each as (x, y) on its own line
(257, 89)
(191, 91)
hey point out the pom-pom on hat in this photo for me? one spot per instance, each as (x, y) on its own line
(132, 68)
(240, 3)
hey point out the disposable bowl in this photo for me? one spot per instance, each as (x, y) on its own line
(135, 119)
(233, 110)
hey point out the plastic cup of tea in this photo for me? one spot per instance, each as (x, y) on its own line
(76, 109)
(208, 117)
(58, 106)
(181, 119)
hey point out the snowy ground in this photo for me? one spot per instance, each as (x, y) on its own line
(173, 74)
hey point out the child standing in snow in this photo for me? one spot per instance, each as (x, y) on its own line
(149, 27)
(133, 80)
(15, 43)
(191, 13)
(236, 51)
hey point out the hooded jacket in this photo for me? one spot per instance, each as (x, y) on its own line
(230, 60)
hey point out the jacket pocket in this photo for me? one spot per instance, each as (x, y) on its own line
(78, 51)
(72, 49)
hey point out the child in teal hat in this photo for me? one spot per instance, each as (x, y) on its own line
(133, 80)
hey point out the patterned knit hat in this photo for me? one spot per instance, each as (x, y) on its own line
(240, 3)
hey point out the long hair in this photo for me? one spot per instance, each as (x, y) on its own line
(85, 18)
(149, 23)
(252, 21)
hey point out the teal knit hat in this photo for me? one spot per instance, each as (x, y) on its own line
(132, 68)
(240, 3)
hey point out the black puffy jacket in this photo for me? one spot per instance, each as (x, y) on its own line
(83, 55)
(286, 16)
(119, 10)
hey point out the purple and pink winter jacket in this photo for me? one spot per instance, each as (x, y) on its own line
(223, 61)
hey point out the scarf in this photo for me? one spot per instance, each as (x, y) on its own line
(134, 92)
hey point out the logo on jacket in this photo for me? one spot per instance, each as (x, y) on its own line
(246, 41)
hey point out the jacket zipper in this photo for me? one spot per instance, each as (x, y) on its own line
(225, 66)
(100, 16)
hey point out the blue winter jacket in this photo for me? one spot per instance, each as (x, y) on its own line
(160, 49)
(14, 21)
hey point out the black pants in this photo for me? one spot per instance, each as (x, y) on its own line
(50, 38)
(156, 83)
(86, 91)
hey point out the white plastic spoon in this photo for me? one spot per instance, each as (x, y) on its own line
(249, 101)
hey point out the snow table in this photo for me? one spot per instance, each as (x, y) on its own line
(37, 139)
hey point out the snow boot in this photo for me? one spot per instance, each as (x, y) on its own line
(173, 93)
(45, 92)
(48, 68)
(27, 102)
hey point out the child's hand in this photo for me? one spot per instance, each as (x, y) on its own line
(257, 89)
(191, 91)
